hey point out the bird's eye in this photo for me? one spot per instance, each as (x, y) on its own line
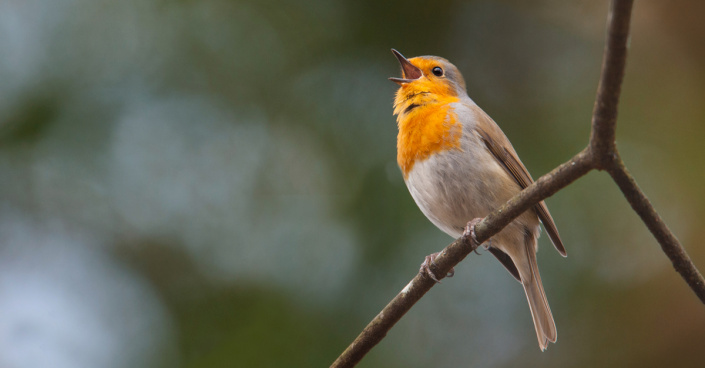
(437, 71)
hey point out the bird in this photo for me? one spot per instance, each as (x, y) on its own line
(459, 166)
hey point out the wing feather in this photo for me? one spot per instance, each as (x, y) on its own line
(503, 151)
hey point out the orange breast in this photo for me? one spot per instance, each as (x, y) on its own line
(429, 127)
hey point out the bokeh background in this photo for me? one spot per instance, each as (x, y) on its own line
(214, 184)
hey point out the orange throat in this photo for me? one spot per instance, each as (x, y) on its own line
(427, 125)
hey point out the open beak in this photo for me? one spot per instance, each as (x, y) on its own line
(408, 70)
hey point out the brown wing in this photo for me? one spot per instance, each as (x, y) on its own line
(506, 261)
(504, 153)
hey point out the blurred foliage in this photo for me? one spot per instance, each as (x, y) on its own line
(214, 183)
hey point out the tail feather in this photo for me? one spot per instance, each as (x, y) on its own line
(540, 311)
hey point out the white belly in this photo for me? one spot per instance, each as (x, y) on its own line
(456, 186)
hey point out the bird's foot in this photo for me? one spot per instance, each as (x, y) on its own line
(426, 267)
(470, 232)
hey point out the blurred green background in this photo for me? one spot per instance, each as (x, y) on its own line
(214, 183)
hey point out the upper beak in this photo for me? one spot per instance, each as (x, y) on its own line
(409, 71)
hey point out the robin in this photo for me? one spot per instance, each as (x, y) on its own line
(459, 166)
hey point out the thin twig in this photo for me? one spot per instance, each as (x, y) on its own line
(669, 243)
(604, 113)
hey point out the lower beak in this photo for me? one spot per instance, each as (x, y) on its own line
(409, 71)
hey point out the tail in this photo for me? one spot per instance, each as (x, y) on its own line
(540, 311)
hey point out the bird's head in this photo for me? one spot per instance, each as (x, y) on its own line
(428, 74)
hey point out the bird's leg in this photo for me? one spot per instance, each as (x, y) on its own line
(430, 259)
(426, 267)
(470, 232)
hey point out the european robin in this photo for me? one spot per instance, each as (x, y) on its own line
(459, 166)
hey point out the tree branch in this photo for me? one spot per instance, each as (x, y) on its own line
(604, 148)
(669, 243)
(377, 329)
(601, 153)
(604, 114)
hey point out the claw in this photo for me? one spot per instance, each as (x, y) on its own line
(470, 232)
(426, 267)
